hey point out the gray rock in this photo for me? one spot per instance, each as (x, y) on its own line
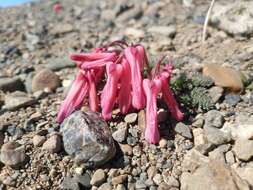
(219, 153)
(13, 154)
(234, 18)
(11, 84)
(158, 179)
(61, 29)
(214, 118)
(200, 141)
(18, 100)
(215, 93)
(171, 181)
(88, 138)
(140, 185)
(131, 118)
(53, 144)
(183, 130)
(56, 64)
(69, 183)
(217, 136)
(98, 177)
(246, 173)
(130, 14)
(83, 180)
(45, 79)
(120, 187)
(232, 99)
(120, 135)
(168, 31)
(119, 179)
(230, 158)
(38, 140)
(243, 149)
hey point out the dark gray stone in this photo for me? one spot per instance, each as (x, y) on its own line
(232, 99)
(183, 130)
(214, 118)
(11, 84)
(87, 137)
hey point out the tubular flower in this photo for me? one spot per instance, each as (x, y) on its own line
(151, 89)
(135, 61)
(125, 97)
(75, 97)
(108, 97)
(93, 98)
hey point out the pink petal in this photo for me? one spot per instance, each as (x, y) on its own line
(108, 96)
(92, 56)
(125, 97)
(151, 90)
(74, 98)
(135, 62)
(93, 98)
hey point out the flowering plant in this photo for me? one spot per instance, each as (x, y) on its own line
(125, 86)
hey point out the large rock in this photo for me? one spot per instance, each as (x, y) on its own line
(246, 173)
(234, 18)
(200, 172)
(224, 76)
(11, 84)
(45, 79)
(13, 154)
(88, 138)
(17, 100)
(244, 149)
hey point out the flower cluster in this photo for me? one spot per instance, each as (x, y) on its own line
(125, 86)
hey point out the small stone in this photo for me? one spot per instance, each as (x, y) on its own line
(151, 172)
(38, 140)
(98, 177)
(131, 118)
(183, 130)
(79, 170)
(56, 64)
(246, 173)
(243, 149)
(216, 136)
(13, 154)
(61, 29)
(163, 143)
(219, 153)
(105, 186)
(53, 144)
(18, 100)
(130, 14)
(135, 33)
(214, 118)
(199, 122)
(83, 180)
(200, 141)
(120, 187)
(126, 149)
(215, 93)
(45, 79)
(119, 179)
(171, 181)
(224, 76)
(87, 137)
(140, 185)
(232, 99)
(11, 84)
(168, 31)
(163, 186)
(141, 120)
(158, 179)
(230, 158)
(69, 183)
(120, 135)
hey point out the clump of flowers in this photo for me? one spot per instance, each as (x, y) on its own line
(122, 66)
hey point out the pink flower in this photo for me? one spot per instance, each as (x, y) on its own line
(75, 97)
(135, 60)
(151, 89)
(108, 96)
(57, 7)
(93, 98)
(125, 96)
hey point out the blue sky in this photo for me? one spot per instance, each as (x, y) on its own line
(6, 3)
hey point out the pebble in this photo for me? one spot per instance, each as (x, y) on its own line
(88, 138)
(120, 135)
(215, 93)
(130, 14)
(69, 183)
(53, 144)
(158, 179)
(216, 136)
(168, 31)
(126, 149)
(163, 143)
(200, 141)
(11, 84)
(230, 158)
(232, 99)
(183, 130)
(56, 64)
(17, 100)
(61, 28)
(151, 172)
(105, 186)
(140, 185)
(134, 32)
(119, 179)
(141, 120)
(83, 180)
(131, 118)
(214, 119)
(224, 76)
(120, 187)
(219, 152)
(171, 181)
(13, 154)
(38, 140)
(45, 79)
(243, 149)
(98, 177)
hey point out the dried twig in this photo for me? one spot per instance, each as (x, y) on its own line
(206, 21)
